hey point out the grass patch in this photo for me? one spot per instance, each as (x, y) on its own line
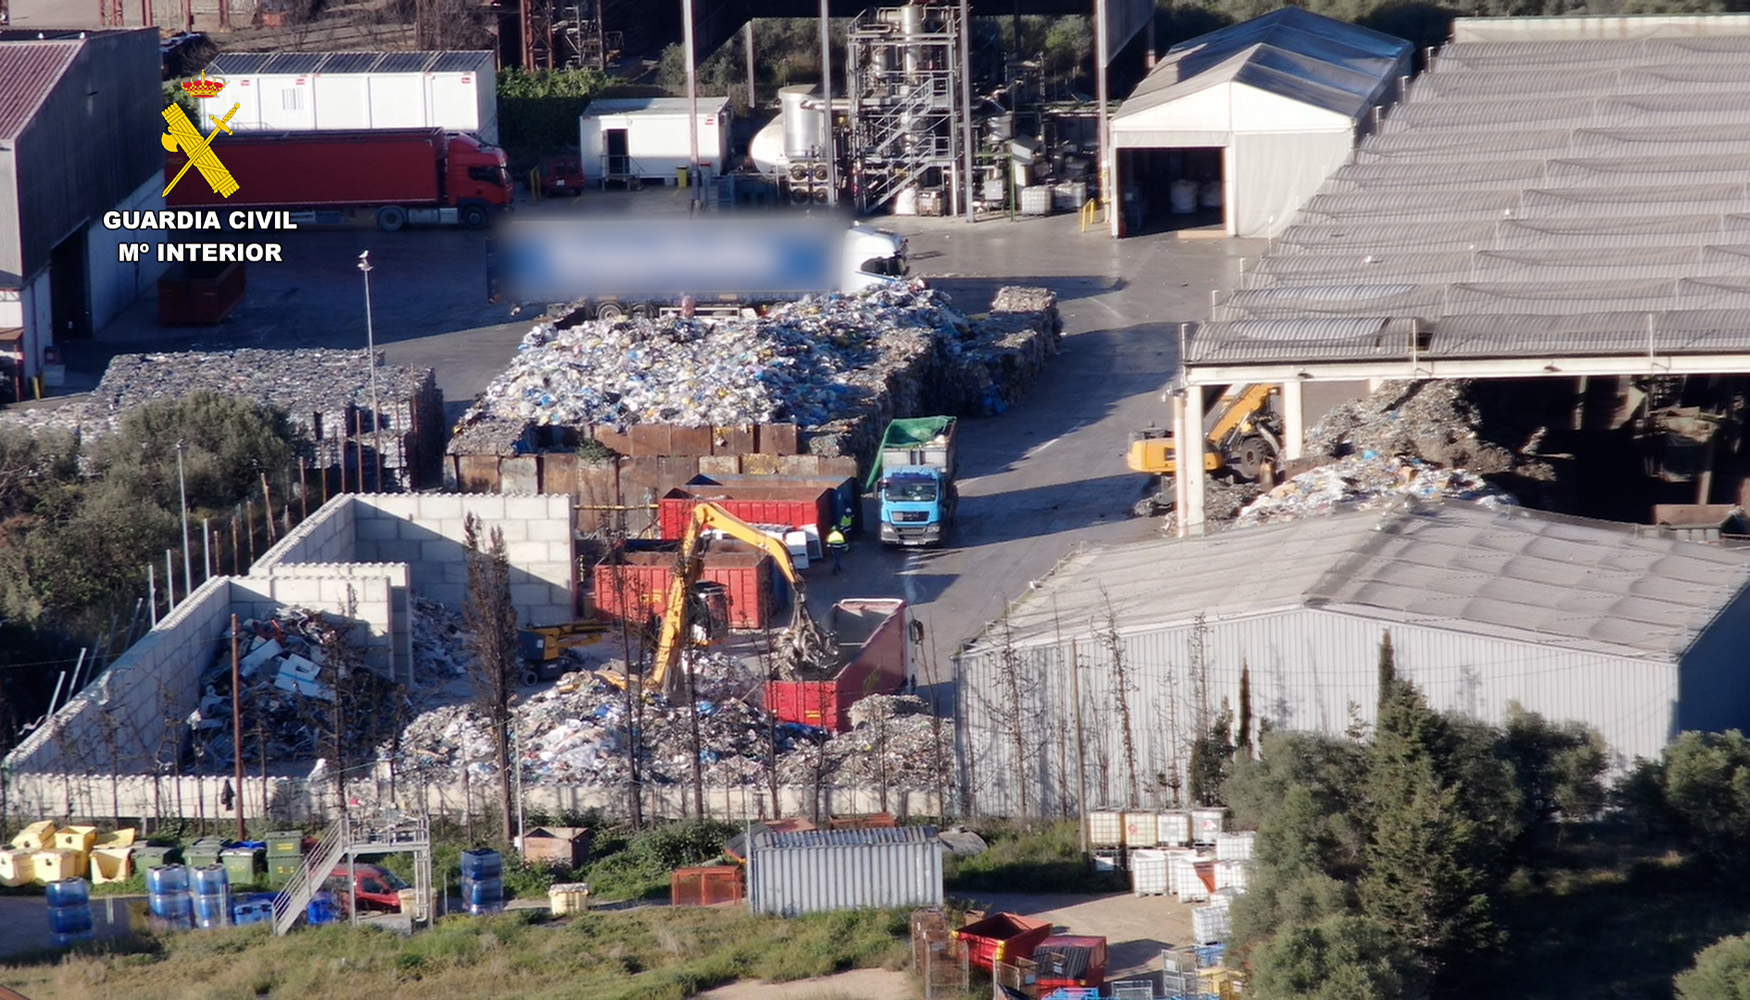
(1044, 859)
(646, 954)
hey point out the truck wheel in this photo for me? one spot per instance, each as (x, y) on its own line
(1250, 456)
(642, 310)
(390, 218)
(474, 216)
(609, 311)
(530, 677)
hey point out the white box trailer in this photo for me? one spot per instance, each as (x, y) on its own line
(647, 137)
(317, 91)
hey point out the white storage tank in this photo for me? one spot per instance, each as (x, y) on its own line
(1173, 829)
(821, 870)
(1139, 829)
(1036, 200)
(1149, 872)
(318, 91)
(1188, 883)
(1105, 828)
(1205, 825)
(1234, 846)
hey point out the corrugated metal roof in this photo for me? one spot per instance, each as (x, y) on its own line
(293, 63)
(350, 62)
(1289, 52)
(28, 71)
(1514, 574)
(1607, 156)
(462, 62)
(652, 105)
(767, 839)
(238, 63)
(403, 62)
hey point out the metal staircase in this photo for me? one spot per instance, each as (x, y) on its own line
(903, 64)
(289, 905)
(389, 832)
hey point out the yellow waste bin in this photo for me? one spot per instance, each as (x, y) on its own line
(680, 177)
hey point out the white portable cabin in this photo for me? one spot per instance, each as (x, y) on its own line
(312, 91)
(647, 137)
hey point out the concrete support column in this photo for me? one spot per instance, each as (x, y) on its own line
(1179, 434)
(1293, 420)
(1190, 448)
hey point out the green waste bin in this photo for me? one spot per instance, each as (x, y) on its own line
(282, 869)
(204, 852)
(243, 865)
(149, 856)
(284, 843)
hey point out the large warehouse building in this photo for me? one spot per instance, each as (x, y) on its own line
(1267, 108)
(1556, 198)
(1639, 636)
(79, 127)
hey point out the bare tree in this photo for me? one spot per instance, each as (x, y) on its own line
(1014, 713)
(1121, 694)
(493, 669)
(342, 657)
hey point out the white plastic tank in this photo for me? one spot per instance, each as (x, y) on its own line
(1209, 195)
(1182, 197)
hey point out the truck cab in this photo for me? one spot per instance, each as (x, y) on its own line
(917, 502)
(476, 178)
(872, 258)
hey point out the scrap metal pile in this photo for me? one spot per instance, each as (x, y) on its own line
(893, 742)
(1422, 440)
(289, 692)
(324, 393)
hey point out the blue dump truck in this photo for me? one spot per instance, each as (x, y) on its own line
(913, 478)
(640, 266)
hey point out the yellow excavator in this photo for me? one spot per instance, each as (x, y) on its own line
(804, 641)
(1242, 435)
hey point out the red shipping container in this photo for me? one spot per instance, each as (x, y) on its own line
(874, 638)
(1002, 937)
(796, 507)
(637, 587)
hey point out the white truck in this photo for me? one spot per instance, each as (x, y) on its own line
(614, 267)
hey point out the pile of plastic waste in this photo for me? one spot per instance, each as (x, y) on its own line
(804, 362)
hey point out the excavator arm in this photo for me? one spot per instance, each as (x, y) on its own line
(672, 639)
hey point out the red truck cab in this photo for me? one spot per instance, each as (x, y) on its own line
(477, 172)
(375, 888)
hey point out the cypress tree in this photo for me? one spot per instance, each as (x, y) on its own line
(1245, 734)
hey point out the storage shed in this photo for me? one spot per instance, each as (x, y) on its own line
(645, 139)
(789, 874)
(311, 91)
(1635, 634)
(1262, 112)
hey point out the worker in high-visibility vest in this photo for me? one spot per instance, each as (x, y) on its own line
(837, 544)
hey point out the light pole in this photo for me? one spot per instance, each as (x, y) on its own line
(692, 99)
(371, 347)
(182, 491)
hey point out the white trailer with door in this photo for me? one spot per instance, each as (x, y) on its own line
(646, 139)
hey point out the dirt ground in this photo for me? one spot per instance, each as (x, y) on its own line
(858, 984)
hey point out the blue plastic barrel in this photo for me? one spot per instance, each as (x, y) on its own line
(207, 880)
(70, 919)
(68, 940)
(211, 906)
(482, 864)
(169, 905)
(482, 892)
(166, 879)
(68, 892)
(320, 910)
(482, 909)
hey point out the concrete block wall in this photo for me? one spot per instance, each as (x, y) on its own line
(379, 596)
(124, 707)
(424, 530)
(324, 537)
